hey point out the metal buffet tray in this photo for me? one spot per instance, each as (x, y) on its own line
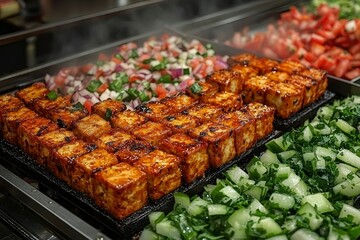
(221, 28)
(17, 161)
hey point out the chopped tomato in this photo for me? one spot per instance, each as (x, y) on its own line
(355, 48)
(59, 80)
(87, 67)
(317, 49)
(87, 105)
(341, 67)
(355, 63)
(353, 73)
(116, 60)
(310, 57)
(160, 91)
(102, 87)
(315, 38)
(103, 57)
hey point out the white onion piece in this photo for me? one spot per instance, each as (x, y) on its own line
(81, 100)
(94, 100)
(105, 95)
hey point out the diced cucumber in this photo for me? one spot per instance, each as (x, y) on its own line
(268, 227)
(320, 128)
(347, 188)
(340, 138)
(319, 200)
(283, 171)
(308, 211)
(345, 126)
(284, 156)
(301, 189)
(246, 183)
(257, 192)
(291, 181)
(182, 199)
(322, 155)
(349, 157)
(230, 193)
(165, 228)
(351, 168)
(255, 205)
(278, 145)
(155, 217)
(325, 112)
(268, 158)
(235, 174)
(343, 173)
(308, 156)
(147, 234)
(239, 218)
(278, 237)
(197, 206)
(336, 235)
(348, 210)
(239, 233)
(282, 201)
(307, 135)
(290, 224)
(304, 234)
(217, 209)
(256, 168)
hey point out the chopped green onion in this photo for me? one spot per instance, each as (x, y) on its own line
(100, 63)
(52, 95)
(144, 97)
(116, 85)
(165, 79)
(119, 56)
(133, 93)
(186, 71)
(108, 114)
(147, 61)
(123, 77)
(161, 65)
(195, 88)
(77, 107)
(94, 85)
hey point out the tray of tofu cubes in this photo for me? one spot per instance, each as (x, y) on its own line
(117, 163)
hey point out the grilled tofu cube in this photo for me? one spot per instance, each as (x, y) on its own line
(264, 65)
(163, 172)
(133, 150)
(64, 157)
(43, 106)
(201, 90)
(153, 132)
(178, 102)
(154, 111)
(12, 121)
(85, 166)
(227, 101)
(8, 103)
(319, 76)
(264, 118)
(245, 72)
(112, 140)
(220, 140)
(286, 98)
(255, 89)
(120, 189)
(30, 94)
(290, 66)
(180, 122)
(127, 120)
(29, 132)
(226, 80)
(203, 112)
(242, 59)
(66, 117)
(192, 152)
(108, 108)
(243, 126)
(51, 141)
(91, 128)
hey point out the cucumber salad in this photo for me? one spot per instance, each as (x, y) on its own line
(304, 186)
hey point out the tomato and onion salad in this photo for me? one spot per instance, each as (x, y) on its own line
(320, 39)
(134, 74)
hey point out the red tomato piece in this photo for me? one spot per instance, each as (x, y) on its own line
(341, 68)
(87, 105)
(317, 49)
(102, 87)
(353, 73)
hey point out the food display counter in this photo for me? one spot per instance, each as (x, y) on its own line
(35, 204)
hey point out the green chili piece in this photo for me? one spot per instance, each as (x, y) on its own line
(52, 95)
(94, 85)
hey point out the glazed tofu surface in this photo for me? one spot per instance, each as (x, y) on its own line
(120, 189)
(264, 118)
(51, 141)
(226, 80)
(91, 128)
(8, 103)
(227, 101)
(154, 111)
(178, 102)
(32, 93)
(112, 140)
(180, 122)
(43, 106)
(152, 132)
(12, 121)
(255, 89)
(205, 91)
(290, 66)
(220, 140)
(127, 120)
(85, 166)
(203, 112)
(163, 172)
(133, 150)
(107, 108)
(192, 152)
(66, 117)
